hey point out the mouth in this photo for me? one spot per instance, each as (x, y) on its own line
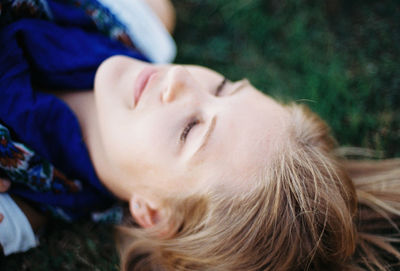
(141, 82)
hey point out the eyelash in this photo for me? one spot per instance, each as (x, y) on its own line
(187, 129)
(193, 123)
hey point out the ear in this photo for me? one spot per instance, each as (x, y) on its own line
(146, 212)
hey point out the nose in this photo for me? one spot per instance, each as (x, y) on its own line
(178, 84)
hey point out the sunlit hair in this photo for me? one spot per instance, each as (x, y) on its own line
(307, 210)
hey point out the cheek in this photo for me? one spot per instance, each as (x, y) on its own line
(153, 138)
(140, 142)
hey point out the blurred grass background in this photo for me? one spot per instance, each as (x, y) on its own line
(339, 57)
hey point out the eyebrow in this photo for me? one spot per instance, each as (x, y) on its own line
(242, 83)
(206, 135)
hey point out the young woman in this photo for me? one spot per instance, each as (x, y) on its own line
(236, 180)
(222, 177)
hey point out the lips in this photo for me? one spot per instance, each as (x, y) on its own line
(141, 82)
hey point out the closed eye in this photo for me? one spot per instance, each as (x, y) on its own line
(187, 129)
(194, 122)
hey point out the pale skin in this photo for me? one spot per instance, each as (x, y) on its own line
(155, 148)
(138, 151)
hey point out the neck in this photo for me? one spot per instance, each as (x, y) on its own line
(82, 103)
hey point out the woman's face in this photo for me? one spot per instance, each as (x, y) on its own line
(190, 129)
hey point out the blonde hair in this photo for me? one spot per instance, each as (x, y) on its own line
(308, 210)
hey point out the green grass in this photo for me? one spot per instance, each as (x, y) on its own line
(78, 246)
(343, 62)
(339, 57)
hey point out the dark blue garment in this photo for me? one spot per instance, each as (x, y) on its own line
(39, 54)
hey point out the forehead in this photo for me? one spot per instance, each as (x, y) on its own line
(248, 133)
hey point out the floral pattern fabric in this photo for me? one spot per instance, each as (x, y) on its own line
(13, 10)
(23, 166)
